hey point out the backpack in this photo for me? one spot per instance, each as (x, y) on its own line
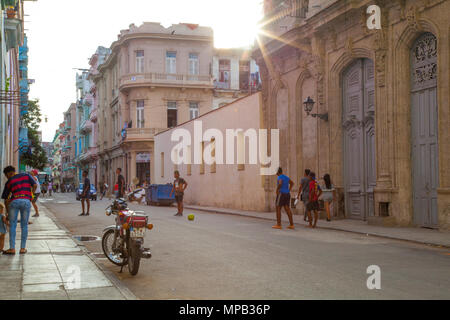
(314, 193)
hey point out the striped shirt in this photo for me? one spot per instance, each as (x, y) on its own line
(19, 187)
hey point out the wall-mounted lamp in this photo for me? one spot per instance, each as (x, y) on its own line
(309, 105)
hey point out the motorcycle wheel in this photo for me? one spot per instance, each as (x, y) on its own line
(107, 241)
(135, 257)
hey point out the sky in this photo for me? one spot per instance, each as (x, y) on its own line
(63, 35)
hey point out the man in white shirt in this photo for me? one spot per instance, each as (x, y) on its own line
(34, 173)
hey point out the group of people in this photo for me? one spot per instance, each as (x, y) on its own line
(85, 196)
(309, 192)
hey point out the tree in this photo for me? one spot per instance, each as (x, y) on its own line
(36, 156)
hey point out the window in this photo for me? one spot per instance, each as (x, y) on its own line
(171, 114)
(224, 74)
(171, 62)
(140, 121)
(244, 75)
(202, 164)
(193, 64)
(213, 155)
(162, 164)
(189, 165)
(140, 61)
(193, 110)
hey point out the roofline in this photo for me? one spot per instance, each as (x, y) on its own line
(209, 112)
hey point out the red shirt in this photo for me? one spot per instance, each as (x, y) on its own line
(313, 196)
(19, 187)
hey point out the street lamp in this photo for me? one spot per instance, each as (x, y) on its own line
(309, 105)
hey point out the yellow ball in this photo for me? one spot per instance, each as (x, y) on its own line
(191, 217)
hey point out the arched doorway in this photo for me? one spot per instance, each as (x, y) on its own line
(359, 138)
(424, 130)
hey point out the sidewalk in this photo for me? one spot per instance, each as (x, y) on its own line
(53, 259)
(418, 235)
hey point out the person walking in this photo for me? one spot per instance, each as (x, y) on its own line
(17, 194)
(284, 186)
(328, 194)
(313, 200)
(85, 194)
(303, 192)
(44, 188)
(105, 189)
(120, 184)
(36, 194)
(50, 188)
(179, 185)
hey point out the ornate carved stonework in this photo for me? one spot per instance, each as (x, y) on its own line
(332, 38)
(424, 60)
(412, 18)
(349, 46)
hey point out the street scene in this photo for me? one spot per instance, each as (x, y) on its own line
(301, 152)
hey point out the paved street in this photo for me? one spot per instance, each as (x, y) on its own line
(229, 257)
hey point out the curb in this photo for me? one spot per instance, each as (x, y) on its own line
(321, 227)
(126, 293)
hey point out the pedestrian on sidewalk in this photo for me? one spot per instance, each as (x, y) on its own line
(105, 189)
(120, 184)
(328, 194)
(44, 189)
(50, 188)
(86, 194)
(284, 186)
(303, 191)
(17, 195)
(2, 227)
(36, 194)
(313, 200)
(179, 185)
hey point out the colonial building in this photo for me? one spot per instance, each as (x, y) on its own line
(154, 78)
(380, 121)
(68, 149)
(87, 125)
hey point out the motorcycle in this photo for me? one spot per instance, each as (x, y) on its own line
(123, 243)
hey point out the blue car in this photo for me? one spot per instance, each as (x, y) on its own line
(93, 192)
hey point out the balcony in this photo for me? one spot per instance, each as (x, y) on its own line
(86, 126)
(141, 134)
(165, 80)
(93, 115)
(14, 31)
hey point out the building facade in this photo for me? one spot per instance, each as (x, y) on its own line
(69, 146)
(11, 37)
(217, 183)
(154, 79)
(382, 95)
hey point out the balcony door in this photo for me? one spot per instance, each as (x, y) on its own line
(171, 65)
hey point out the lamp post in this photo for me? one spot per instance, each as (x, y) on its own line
(309, 105)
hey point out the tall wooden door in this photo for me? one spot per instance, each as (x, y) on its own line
(424, 130)
(359, 138)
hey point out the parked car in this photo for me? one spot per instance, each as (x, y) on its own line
(93, 192)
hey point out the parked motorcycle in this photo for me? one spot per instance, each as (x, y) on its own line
(123, 243)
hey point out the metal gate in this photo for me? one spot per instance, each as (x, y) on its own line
(424, 134)
(359, 138)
